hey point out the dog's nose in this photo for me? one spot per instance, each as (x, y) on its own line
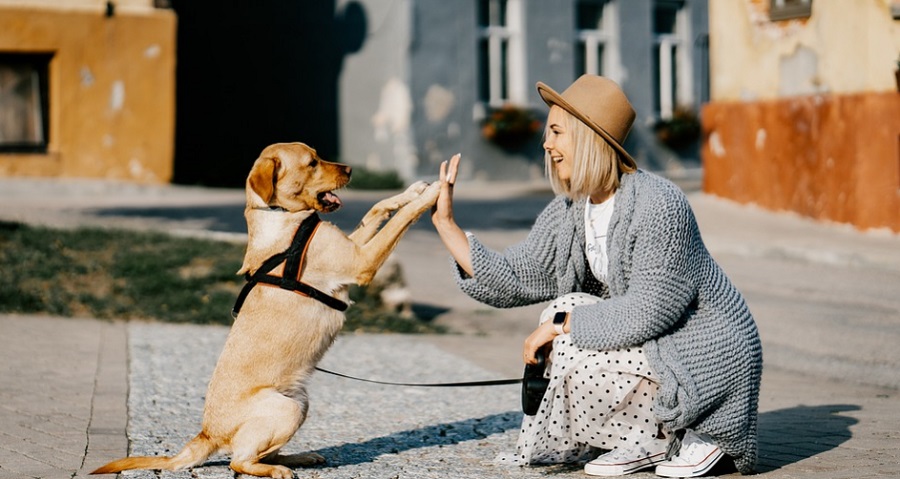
(348, 169)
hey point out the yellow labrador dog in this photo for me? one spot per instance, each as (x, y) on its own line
(257, 398)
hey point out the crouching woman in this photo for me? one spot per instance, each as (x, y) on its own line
(654, 357)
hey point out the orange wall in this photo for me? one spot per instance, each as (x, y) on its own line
(805, 113)
(112, 91)
(834, 157)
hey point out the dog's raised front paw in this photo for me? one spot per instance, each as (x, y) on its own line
(417, 187)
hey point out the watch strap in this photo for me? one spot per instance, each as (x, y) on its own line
(559, 320)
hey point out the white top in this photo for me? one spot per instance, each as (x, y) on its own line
(596, 226)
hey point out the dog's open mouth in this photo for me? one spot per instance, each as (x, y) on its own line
(329, 201)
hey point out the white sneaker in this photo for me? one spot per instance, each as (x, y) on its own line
(619, 462)
(697, 456)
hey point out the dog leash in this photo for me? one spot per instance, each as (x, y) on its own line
(493, 382)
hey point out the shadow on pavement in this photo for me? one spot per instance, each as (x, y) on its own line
(790, 435)
(437, 435)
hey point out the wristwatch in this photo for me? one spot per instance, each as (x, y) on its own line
(559, 319)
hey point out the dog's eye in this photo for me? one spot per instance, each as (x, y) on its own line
(313, 163)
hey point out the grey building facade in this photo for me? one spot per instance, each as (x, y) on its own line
(430, 75)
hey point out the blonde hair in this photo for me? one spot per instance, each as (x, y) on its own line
(597, 166)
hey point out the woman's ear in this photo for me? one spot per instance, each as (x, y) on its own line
(262, 178)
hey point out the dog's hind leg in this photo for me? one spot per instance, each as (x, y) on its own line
(272, 420)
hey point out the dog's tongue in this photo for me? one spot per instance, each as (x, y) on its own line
(332, 198)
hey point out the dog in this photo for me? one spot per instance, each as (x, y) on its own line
(256, 399)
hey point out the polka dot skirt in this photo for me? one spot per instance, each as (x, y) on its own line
(596, 400)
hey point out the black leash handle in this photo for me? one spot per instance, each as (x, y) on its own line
(494, 382)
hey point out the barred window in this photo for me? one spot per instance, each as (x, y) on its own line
(501, 52)
(788, 9)
(671, 57)
(598, 39)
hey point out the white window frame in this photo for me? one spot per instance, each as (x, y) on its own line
(678, 64)
(512, 35)
(607, 34)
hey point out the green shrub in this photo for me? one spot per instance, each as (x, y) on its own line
(363, 179)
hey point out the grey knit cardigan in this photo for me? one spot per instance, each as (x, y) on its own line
(665, 292)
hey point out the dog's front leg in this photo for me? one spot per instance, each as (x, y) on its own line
(375, 252)
(382, 211)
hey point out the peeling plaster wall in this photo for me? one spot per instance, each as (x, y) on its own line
(375, 100)
(111, 89)
(843, 47)
(805, 114)
(409, 95)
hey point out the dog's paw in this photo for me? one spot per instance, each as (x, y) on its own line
(417, 188)
(281, 472)
(431, 193)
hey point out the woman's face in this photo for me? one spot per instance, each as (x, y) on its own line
(558, 143)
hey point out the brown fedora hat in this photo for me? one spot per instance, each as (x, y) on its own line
(599, 103)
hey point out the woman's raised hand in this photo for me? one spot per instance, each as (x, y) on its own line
(453, 237)
(443, 209)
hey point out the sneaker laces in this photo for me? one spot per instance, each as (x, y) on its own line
(644, 450)
(688, 441)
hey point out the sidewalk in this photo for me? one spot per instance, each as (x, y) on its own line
(825, 298)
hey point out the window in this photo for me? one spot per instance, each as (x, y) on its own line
(787, 9)
(671, 57)
(597, 43)
(501, 53)
(23, 102)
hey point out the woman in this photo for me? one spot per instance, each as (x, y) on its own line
(655, 355)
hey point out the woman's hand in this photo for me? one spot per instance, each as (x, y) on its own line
(453, 236)
(541, 337)
(443, 209)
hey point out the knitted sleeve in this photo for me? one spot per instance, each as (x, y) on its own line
(524, 273)
(660, 248)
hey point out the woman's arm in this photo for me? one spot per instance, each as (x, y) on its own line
(453, 237)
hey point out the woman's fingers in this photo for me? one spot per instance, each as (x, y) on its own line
(541, 336)
(452, 169)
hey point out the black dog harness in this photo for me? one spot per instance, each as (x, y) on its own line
(290, 277)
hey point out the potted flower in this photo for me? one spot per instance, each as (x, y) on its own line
(680, 131)
(510, 126)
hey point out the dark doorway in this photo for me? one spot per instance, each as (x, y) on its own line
(254, 73)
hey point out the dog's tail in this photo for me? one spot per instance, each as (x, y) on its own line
(195, 452)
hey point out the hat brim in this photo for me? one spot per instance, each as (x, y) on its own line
(551, 97)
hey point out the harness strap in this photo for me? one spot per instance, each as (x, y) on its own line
(289, 280)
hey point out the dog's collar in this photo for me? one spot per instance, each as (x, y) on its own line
(276, 209)
(290, 277)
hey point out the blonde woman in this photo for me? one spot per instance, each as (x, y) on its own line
(655, 360)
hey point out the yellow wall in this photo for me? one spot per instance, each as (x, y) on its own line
(112, 87)
(845, 46)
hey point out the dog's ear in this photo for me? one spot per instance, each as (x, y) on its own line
(262, 178)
